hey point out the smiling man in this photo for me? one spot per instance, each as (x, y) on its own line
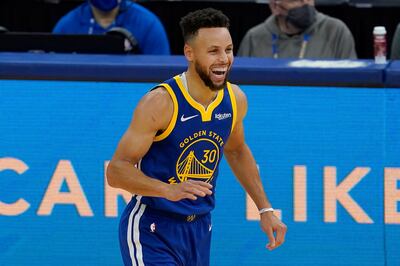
(297, 30)
(178, 134)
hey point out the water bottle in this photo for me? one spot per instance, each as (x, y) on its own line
(380, 44)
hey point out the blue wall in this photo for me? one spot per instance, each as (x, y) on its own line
(44, 122)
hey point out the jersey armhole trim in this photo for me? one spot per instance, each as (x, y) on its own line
(172, 123)
(234, 106)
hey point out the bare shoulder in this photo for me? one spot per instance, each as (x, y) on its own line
(156, 107)
(156, 98)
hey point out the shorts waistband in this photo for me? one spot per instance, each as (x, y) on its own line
(176, 216)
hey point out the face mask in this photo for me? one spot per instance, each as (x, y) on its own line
(301, 17)
(105, 5)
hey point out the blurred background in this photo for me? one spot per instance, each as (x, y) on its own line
(359, 15)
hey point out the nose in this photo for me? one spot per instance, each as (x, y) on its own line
(223, 58)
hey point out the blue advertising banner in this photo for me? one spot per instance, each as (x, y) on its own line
(328, 158)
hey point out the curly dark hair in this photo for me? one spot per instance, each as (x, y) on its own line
(203, 18)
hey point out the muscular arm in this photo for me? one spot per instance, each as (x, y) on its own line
(245, 169)
(242, 162)
(152, 114)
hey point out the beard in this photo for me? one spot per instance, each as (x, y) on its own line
(206, 78)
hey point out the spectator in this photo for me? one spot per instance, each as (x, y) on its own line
(99, 16)
(395, 54)
(296, 30)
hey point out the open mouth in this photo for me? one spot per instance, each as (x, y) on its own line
(219, 72)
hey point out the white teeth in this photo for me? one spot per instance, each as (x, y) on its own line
(220, 69)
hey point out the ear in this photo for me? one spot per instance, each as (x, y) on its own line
(188, 51)
(273, 7)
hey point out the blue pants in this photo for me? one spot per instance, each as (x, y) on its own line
(153, 238)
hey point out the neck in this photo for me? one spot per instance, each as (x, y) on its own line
(105, 19)
(198, 90)
(286, 27)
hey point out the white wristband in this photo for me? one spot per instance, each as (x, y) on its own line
(265, 210)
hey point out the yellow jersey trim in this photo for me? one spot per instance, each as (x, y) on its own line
(205, 113)
(234, 106)
(172, 123)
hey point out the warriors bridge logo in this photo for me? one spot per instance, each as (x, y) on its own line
(199, 157)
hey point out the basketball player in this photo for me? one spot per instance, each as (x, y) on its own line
(177, 136)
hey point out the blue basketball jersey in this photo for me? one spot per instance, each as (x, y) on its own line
(191, 147)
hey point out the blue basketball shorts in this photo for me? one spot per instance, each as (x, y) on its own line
(153, 238)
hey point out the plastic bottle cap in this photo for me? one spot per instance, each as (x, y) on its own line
(379, 30)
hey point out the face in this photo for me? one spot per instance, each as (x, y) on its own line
(210, 52)
(281, 7)
(105, 5)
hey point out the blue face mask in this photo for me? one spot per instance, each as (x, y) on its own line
(105, 5)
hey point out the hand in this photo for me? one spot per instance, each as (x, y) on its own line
(270, 224)
(190, 189)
